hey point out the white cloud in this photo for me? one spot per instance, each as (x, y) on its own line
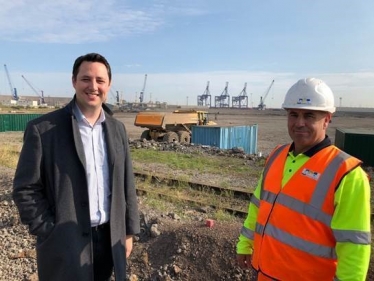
(85, 21)
(71, 21)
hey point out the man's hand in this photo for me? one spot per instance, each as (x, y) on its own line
(129, 239)
(244, 261)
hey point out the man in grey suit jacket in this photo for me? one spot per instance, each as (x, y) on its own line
(74, 184)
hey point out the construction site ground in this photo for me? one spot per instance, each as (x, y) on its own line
(179, 245)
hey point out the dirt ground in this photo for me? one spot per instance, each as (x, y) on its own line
(177, 245)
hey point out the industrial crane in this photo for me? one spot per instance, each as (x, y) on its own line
(141, 96)
(262, 104)
(224, 99)
(13, 91)
(205, 99)
(41, 95)
(241, 100)
(116, 96)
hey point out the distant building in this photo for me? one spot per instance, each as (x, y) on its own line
(34, 101)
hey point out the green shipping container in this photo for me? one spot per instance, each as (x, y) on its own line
(357, 142)
(15, 122)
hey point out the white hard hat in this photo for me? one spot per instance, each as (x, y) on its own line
(310, 93)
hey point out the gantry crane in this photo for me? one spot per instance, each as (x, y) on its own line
(13, 90)
(262, 104)
(41, 95)
(224, 99)
(141, 95)
(241, 101)
(205, 99)
(115, 96)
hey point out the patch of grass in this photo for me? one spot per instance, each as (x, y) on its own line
(229, 166)
(221, 215)
(156, 203)
(9, 154)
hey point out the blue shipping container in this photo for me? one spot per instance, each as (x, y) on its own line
(227, 137)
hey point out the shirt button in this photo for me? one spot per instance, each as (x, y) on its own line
(290, 170)
(293, 161)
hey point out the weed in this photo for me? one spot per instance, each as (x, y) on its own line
(9, 155)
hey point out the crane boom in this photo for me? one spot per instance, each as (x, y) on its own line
(141, 95)
(13, 90)
(36, 92)
(262, 105)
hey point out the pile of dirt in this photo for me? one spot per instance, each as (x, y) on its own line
(189, 248)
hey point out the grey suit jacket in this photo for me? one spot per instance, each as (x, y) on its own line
(50, 191)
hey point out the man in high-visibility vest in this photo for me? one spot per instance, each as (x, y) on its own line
(309, 217)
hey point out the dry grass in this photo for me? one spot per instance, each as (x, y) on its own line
(9, 154)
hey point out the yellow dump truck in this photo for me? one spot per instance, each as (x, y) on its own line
(171, 126)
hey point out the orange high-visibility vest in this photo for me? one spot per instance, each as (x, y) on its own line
(293, 239)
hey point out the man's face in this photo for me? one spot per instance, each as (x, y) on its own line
(307, 127)
(91, 85)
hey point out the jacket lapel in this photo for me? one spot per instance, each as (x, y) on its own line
(109, 130)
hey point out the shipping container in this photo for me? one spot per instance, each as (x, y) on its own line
(357, 142)
(227, 137)
(15, 122)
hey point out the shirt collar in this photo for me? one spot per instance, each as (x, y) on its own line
(319, 146)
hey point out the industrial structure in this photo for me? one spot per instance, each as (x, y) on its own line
(141, 95)
(40, 95)
(262, 105)
(241, 101)
(13, 90)
(224, 99)
(205, 99)
(116, 96)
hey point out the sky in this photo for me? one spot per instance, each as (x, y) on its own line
(181, 45)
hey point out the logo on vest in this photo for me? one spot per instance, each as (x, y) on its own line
(310, 174)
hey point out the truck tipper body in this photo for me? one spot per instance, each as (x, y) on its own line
(171, 126)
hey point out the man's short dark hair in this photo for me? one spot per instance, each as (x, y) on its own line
(91, 57)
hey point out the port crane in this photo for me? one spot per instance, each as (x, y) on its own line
(262, 104)
(224, 99)
(141, 95)
(41, 95)
(205, 99)
(241, 101)
(115, 96)
(13, 90)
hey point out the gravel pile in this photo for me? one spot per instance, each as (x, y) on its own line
(190, 148)
(17, 255)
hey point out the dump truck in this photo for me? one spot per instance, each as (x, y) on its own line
(171, 126)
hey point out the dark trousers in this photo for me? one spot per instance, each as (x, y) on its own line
(103, 261)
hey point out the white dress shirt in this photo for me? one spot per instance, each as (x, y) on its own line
(97, 170)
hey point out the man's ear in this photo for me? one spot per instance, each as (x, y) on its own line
(73, 80)
(328, 118)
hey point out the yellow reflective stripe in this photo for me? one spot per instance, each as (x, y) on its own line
(246, 232)
(353, 236)
(300, 244)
